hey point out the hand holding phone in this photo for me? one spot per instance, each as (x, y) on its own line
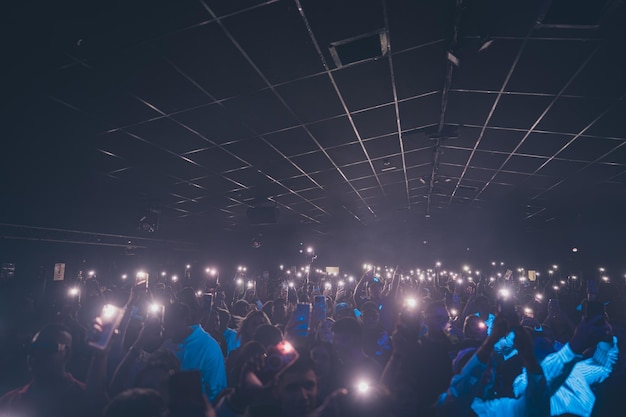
(105, 326)
(279, 358)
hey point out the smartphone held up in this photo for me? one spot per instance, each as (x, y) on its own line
(106, 324)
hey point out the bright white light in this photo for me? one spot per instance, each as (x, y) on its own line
(163, 273)
(438, 264)
(250, 284)
(422, 277)
(453, 312)
(92, 273)
(280, 267)
(465, 268)
(199, 293)
(555, 287)
(141, 275)
(108, 311)
(605, 278)
(291, 284)
(240, 268)
(378, 269)
(574, 277)
(411, 302)
(154, 308)
(299, 275)
(492, 279)
(493, 263)
(363, 387)
(188, 266)
(328, 285)
(288, 272)
(555, 267)
(388, 274)
(430, 278)
(459, 281)
(74, 292)
(245, 269)
(601, 269)
(562, 282)
(539, 296)
(482, 325)
(207, 270)
(501, 263)
(522, 279)
(341, 283)
(574, 250)
(499, 274)
(351, 279)
(550, 272)
(477, 272)
(528, 310)
(239, 281)
(412, 272)
(505, 293)
(174, 278)
(124, 276)
(309, 250)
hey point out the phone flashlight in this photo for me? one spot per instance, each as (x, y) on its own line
(291, 284)
(174, 278)
(250, 284)
(73, 292)
(155, 308)
(199, 293)
(362, 387)
(341, 283)
(453, 312)
(504, 293)
(410, 302)
(528, 311)
(108, 311)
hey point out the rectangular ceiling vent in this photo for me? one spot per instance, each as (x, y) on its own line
(367, 47)
(573, 14)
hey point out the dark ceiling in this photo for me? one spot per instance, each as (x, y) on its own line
(202, 109)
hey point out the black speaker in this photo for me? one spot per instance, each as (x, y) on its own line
(262, 215)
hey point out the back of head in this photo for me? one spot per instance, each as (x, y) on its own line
(53, 333)
(50, 351)
(241, 308)
(349, 327)
(137, 402)
(267, 335)
(188, 296)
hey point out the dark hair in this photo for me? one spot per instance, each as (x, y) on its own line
(301, 366)
(179, 312)
(267, 335)
(136, 402)
(188, 296)
(348, 326)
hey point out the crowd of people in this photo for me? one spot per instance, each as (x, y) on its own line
(302, 342)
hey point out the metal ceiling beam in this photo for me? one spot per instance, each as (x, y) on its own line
(444, 103)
